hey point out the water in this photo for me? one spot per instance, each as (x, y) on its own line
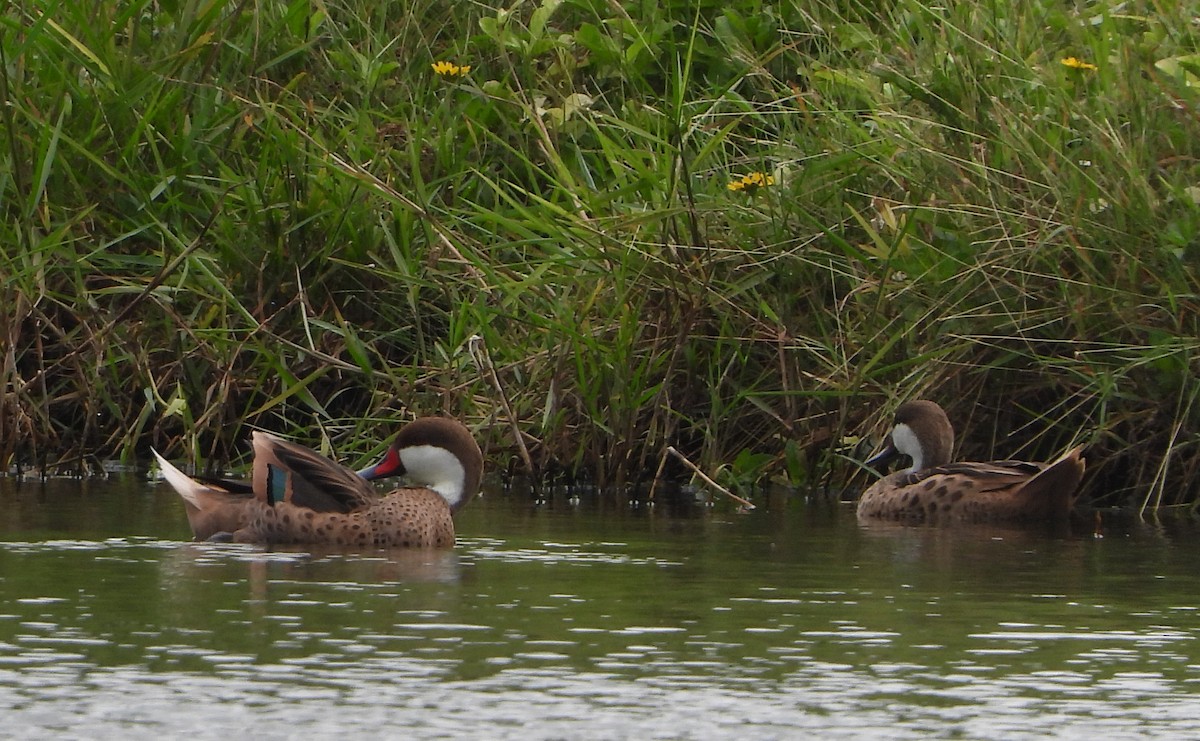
(591, 622)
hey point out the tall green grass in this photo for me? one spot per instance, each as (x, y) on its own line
(221, 215)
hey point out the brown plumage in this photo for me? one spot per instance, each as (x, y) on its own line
(934, 490)
(405, 518)
(298, 496)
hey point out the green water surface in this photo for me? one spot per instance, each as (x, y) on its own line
(592, 621)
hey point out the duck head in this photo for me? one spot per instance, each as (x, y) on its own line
(921, 431)
(437, 453)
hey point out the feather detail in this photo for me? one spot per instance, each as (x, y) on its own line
(284, 471)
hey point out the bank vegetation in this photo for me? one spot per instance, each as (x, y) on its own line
(746, 230)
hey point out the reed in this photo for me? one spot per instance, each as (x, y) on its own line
(738, 230)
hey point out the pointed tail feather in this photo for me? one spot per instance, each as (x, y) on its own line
(191, 491)
(210, 508)
(1056, 486)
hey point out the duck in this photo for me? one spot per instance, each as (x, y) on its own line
(297, 496)
(937, 491)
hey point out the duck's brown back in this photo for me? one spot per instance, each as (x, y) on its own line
(405, 518)
(995, 492)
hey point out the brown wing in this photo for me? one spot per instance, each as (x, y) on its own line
(985, 476)
(284, 471)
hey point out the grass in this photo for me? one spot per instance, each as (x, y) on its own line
(226, 215)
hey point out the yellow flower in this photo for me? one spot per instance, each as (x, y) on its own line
(751, 182)
(450, 69)
(1076, 63)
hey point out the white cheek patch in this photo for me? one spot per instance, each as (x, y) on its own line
(907, 443)
(435, 468)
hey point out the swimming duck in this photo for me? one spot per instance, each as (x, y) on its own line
(934, 490)
(296, 495)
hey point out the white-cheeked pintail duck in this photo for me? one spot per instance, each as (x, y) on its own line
(935, 490)
(296, 495)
